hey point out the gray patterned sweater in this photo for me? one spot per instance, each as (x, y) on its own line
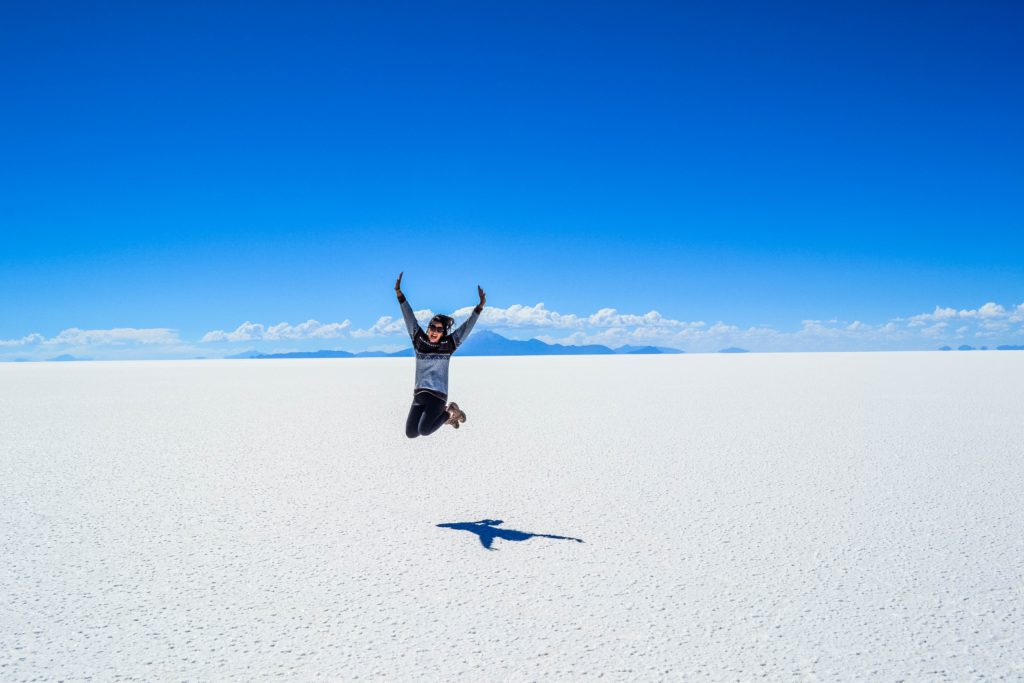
(432, 359)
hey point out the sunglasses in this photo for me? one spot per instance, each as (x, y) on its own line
(436, 328)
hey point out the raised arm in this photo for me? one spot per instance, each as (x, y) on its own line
(463, 330)
(411, 323)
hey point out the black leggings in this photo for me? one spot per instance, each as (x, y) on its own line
(426, 415)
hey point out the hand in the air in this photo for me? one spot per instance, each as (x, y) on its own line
(483, 296)
(398, 283)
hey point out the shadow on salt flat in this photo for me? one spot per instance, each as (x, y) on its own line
(487, 530)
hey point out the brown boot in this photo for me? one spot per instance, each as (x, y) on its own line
(456, 413)
(453, 417)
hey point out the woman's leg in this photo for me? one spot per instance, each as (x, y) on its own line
(434, 415)
(412, 422)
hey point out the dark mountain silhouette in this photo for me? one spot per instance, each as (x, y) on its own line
(1009, 347)
(307, 354)
(251, 353)
(646, 349)
(487, 343)
(322, 353)
(480, 343)
(733, 349)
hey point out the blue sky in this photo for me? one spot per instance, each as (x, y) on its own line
(174, 170)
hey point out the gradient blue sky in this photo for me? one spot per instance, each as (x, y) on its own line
(193, 166)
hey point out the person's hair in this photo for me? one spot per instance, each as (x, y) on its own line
(445, 320)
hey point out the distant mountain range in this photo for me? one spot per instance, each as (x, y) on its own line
(482, 343)
(487, 343)
(294, 354)
(967, 347)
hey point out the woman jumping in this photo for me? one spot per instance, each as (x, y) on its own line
(433, 352)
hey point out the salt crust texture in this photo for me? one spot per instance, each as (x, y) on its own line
(792, 516)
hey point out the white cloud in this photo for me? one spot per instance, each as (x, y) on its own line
(117, 342)
(606, 326)
(518, 315)
(720, 328)
(539, 316)
(388, 325)
(935, 331)
(609, 317)
(574, 339)
(385, 325)
(614, 328)
(311, 329)
(28, 340)
(610, 327)
(117, 336)
(250, 331)
(939, 313)
(989, 310)
(998, 325)
(245, 332)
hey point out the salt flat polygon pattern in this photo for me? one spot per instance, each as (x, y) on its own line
(819, 516)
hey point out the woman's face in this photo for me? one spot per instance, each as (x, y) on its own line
(435, 331)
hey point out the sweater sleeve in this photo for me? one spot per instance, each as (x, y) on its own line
(410, 319)
(463, 330)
